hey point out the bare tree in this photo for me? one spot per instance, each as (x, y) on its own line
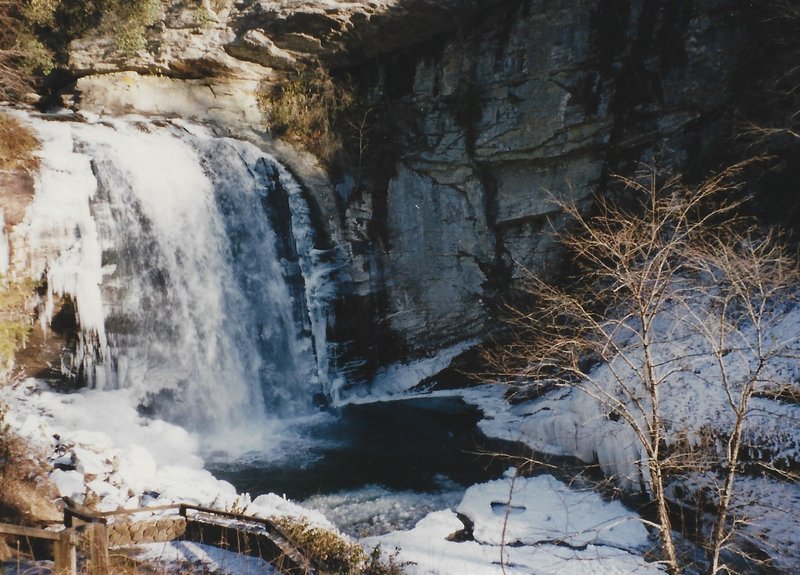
(13, 80)
(361, 129)
(22, 54)
(672, 292)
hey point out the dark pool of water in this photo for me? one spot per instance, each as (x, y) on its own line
(406, 445)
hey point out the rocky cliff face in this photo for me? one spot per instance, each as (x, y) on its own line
(494, 108)
(534, 101)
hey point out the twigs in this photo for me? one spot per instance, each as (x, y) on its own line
(658, 267)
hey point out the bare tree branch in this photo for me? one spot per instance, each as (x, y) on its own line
(662, 261)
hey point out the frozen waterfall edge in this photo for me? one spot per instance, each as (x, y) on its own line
(198, 279)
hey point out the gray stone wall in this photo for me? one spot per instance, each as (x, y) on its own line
(123, 534)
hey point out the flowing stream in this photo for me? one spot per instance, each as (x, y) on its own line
(376, 467)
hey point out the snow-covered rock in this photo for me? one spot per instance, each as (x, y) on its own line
(131, 462)
(694, 408)
(532, 510)
(549, 528)
(69, 483)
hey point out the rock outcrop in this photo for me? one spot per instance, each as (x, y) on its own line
(535, 101)
(495, 108)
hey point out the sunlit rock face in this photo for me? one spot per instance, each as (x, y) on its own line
(344, 33)
(202, 38)
(221, 51)
(496, 107)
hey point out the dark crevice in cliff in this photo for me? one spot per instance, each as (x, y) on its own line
(642, 58)
(768, 100)
(670, 40)
(376, 130)
(399, 77)
(466, 106)
(631, 55)
(366, 342)
(41, 356)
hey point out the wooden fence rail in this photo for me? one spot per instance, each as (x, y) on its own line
(270, 542)
(64, 554)
(274, 544)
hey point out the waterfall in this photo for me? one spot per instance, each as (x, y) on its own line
(192, 264)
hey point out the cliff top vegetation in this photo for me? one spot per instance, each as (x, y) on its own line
(34, 34)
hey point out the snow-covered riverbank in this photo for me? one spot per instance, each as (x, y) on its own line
(106, 455)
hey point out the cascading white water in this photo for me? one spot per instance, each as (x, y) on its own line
(192, 287)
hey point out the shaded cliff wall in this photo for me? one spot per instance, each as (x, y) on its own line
(528, 101)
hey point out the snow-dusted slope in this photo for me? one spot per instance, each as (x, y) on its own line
(568, 421)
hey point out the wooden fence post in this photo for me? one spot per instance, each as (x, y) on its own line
(66, 562)
(98, 549)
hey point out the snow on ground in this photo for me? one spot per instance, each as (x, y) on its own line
(27, 567)
(563, 423)
(548, 528)
(542, 508)
(770, 510)
(203, 558)
(774, 525)
(109, 455)
(569, 422)
(174, 557)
